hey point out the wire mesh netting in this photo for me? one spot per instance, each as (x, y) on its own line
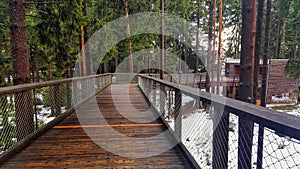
(232, 139)
(23, 112)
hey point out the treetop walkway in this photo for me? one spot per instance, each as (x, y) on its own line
(126, 121)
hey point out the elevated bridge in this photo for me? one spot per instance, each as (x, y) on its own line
(126, 121)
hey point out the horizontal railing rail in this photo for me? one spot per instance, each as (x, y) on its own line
(29, 86)
(28, 109)
(222, 132)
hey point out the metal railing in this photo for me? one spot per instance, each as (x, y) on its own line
(224, 133)
(27, 109)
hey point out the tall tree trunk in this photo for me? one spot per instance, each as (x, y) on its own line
(246, 81)
(214, 45)
(105, 66)
(82, 52)
(257, 47)
(128, 34)
(20, 55)
(265, 57)
(210, 41)
(197, 38)
(162, 40)
(116, 62)
(88, 57)
(282, 41)
(278, 45)
(220, 46)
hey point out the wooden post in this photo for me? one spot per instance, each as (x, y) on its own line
(178, 114)
(220, 140)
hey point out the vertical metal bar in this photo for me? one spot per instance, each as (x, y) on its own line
(57, 100)
(220, 140)
(162, 99)
(69, 95)
(178, 114)
(260, 146)
(84, 87)
(154, 93)
(35, 109)
(148, 87)
(169, 103)
(245, 141)
(75, 93)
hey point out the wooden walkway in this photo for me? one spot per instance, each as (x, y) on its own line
(67, 145)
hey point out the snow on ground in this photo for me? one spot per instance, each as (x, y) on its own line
(197, 130)
(44, 115)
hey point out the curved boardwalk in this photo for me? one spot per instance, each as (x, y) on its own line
(67, 145)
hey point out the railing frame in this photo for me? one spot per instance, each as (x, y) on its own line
(12, 90)
(279, 122)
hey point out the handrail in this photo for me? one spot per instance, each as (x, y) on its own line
(268, 125)
(290, 124)
(30, 86)
(25, 109)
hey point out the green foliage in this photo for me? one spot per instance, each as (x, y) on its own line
(53, 36)
(292, 68)
(5, 60)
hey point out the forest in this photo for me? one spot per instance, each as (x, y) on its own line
(56, 31)
(45, 40)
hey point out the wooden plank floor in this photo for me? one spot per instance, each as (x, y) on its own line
(68, 144)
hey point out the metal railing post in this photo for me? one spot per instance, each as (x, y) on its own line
(154, 93)
(260, 147)
(245, 141)
(75, 92)
(57, 101)
(220, 140)
(162, 99)
(69, 95)
(178, 114)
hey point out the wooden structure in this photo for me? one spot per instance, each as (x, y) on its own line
(67, 145)
(279, 85)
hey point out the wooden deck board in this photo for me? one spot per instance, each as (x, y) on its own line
(68, 146)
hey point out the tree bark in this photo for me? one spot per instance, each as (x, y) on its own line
(128, 34)
(162, 40)
(197, 38)
(21, 74)
(220, 46)
(82, 52)
(19, 47)
(265, 57)
(247, 50)
(246, 82)
(257, 47)
(89, 59)
(210, 41)
(214, 44)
